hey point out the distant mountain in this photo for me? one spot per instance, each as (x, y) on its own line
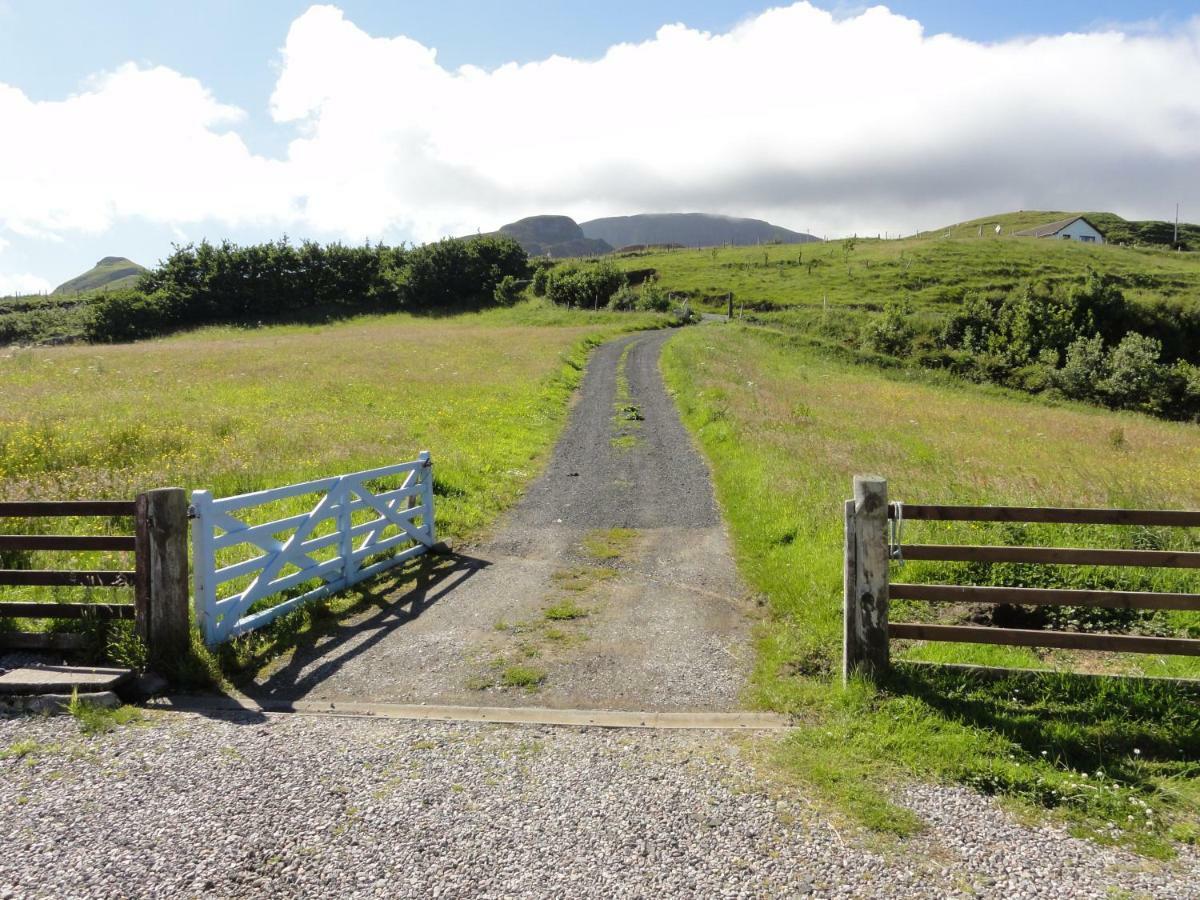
(555, 236)
(110, 272)
(689, 229)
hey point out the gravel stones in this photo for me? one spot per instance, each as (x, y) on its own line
(305, 806)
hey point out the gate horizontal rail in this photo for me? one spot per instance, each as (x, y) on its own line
(402, 517)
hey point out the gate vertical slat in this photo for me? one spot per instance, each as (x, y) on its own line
(345, 526)
(204, 565)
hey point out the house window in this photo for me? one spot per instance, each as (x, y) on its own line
(1087, 238)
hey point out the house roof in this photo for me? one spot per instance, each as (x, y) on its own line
(1053, 228)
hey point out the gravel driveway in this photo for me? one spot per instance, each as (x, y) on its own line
(611, 585)
(291, 805)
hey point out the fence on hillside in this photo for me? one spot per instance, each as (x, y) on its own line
(873, 540)
(349, 533)
(158, 577)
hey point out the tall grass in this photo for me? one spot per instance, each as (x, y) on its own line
(234, 410)
(786, 428)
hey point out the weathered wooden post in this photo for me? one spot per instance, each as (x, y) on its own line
(866, 579)
(730, 316)
(162, 549)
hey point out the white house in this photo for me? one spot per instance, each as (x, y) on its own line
(1076, 228)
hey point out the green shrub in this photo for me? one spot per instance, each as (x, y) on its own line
(129, 315)
(587, 287)
(891, 333)
(1136, 379)
(508, 291)
(541, 277)
(1085, 370)
(654, 298)
(624, 299)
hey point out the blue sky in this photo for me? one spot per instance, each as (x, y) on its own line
(53, 49)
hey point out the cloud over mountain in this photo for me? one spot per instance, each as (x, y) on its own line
(817, 122)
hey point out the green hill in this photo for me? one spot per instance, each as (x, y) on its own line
(110, 272)
(1116, 230)
(931, 272)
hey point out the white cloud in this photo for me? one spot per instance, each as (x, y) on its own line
(147, 143)
(858, 122)
(24, 283)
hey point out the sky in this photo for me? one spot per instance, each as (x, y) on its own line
(128, 126)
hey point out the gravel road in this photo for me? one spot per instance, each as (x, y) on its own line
(649, 617)
(298, 806)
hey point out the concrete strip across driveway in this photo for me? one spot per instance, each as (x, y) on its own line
(503, 715)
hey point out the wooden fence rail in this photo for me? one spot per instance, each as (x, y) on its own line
(159, 574)
(868, 591)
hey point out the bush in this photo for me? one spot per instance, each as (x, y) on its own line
(452, 272)
(891, 333)
(1085, 370)
(541, 275)
(208, 283)
(624, 300)
(1136, 379)
(129, 315)
(589, 287)
(508, 291)
(654, 298)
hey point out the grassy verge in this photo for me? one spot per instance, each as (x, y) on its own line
(786, 428)
(236, 410)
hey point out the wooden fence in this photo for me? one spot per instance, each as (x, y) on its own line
(872, 540)
(158, 577)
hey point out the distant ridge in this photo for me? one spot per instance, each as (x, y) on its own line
(110, 272)
(690, 230)
(555, 236)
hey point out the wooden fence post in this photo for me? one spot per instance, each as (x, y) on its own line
(866, 601)
(162, 528)
(850, 651)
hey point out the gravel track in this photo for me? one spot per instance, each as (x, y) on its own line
(665, 623)
(299, 806)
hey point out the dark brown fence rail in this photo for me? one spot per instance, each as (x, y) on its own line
(158, 577)
(59, 577)
(868, 590)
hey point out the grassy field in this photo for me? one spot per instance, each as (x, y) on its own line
(786, 428)
(236, 410)
(796, 283)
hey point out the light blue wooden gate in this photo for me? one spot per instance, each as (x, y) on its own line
(350, 533)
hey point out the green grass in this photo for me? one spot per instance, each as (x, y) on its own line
(609, 543)
(581, 578)
(828, 287)
(95, 719)
(522, 676)
(234, 410)
(565, 610)
(20, 749)
(786, 428)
